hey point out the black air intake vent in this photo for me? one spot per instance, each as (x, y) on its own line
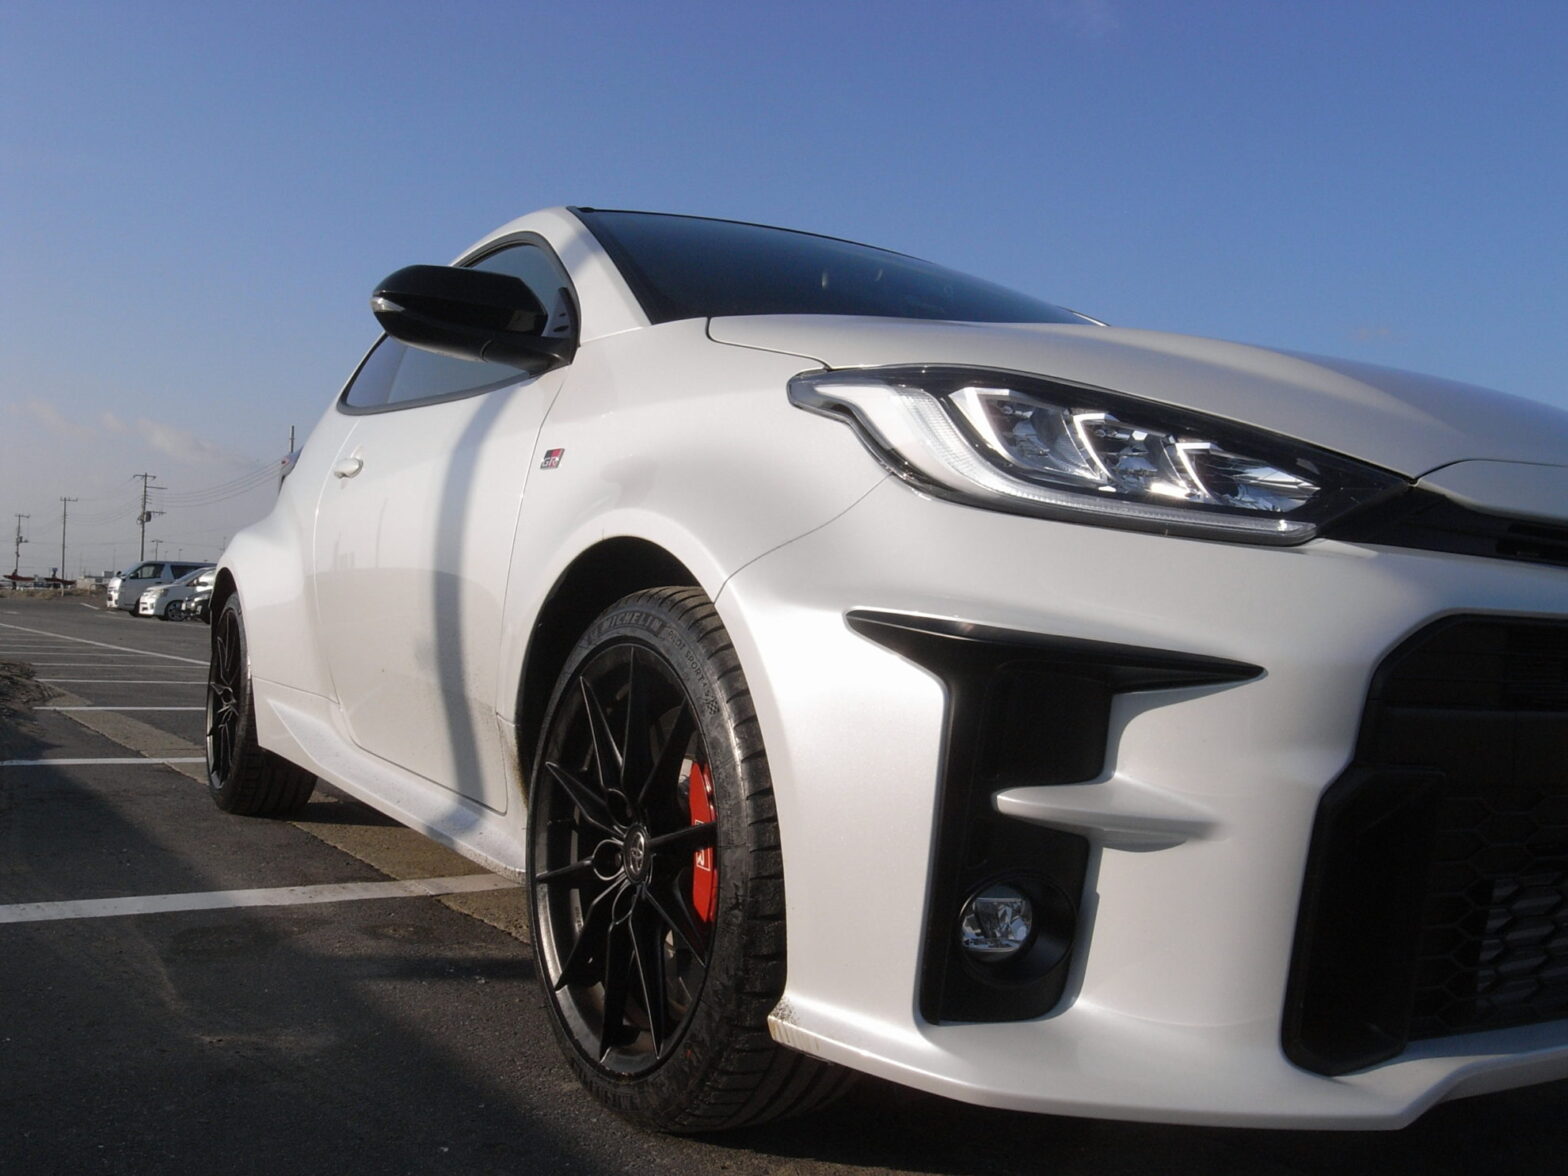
(1436, 897)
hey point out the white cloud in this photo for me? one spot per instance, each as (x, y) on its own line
(54, 420)
(167, 439)
(182, 444)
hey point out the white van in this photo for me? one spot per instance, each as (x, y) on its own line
(126, 588)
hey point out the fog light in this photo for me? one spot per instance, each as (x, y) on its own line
(996, 923)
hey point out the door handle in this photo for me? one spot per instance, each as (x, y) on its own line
(348, 467)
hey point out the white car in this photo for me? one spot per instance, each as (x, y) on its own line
(156, 601)
(873, 669)
(124, 591)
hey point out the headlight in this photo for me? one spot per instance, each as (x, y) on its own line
(1026, 444)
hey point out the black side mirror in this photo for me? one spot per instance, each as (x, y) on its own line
(468, 314)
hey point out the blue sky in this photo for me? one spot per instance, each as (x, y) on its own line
(195, 199)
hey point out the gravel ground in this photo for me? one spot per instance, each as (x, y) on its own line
(19, 693)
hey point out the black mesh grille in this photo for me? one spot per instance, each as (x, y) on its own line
(1436, 900)
(1493, 949)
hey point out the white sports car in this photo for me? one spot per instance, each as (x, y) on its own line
(870, 668)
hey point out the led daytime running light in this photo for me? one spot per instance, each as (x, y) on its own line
(1036, 448)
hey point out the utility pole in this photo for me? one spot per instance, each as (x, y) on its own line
(156, 543)
(146, 515)
(287, 464)
(65, 505)
(16, 566)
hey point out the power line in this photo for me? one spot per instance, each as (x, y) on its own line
(261, 476)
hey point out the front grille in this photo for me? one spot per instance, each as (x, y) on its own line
(1426, 521)
(1538, 543)
(1436, 897)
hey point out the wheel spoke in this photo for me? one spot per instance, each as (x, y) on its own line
(592, 942)
(687, 840)
(648, 947)
(634, 740)
(227, 653)
(674, 916)
(667, 763)
(593, 808)
(222, 726)
(573, 875)
(617, 987)
(607, 757)
(219, 736)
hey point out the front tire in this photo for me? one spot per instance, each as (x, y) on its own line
(242, 776)
(657, 878)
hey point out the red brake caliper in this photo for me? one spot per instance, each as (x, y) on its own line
(704, 870)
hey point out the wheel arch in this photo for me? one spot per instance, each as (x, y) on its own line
(223, 587)
(598, 577)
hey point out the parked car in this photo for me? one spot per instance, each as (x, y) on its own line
(870, 668)
(197, 606)
(125, 590)
(162, 600)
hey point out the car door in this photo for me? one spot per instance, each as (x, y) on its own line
(136, 581)
(413, 541)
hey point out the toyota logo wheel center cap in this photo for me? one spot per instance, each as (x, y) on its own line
(635, 856)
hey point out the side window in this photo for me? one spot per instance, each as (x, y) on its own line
(394, 373)
(146, 571)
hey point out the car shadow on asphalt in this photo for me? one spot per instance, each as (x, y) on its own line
(331, 807)
(882, 1127)
(371, 1036)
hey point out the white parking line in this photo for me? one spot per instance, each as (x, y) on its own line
(195, 661)
(215, 900)
(130, 681)
(119, 708)
(79, 763)
(85, 663)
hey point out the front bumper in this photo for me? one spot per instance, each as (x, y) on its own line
(1198, 822)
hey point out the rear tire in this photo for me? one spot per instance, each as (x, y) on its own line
(242, 776)
(657, 877)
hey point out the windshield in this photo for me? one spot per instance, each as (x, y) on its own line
(689, 267)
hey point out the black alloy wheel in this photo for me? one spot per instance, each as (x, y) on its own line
(242, 776)
(656, 876)
(622, 837)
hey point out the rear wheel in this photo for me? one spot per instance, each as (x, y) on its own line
(657, 880)
(242, 776)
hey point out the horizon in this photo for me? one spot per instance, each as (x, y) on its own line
(197, 201)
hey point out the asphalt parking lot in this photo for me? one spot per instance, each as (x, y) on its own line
(185, 991)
